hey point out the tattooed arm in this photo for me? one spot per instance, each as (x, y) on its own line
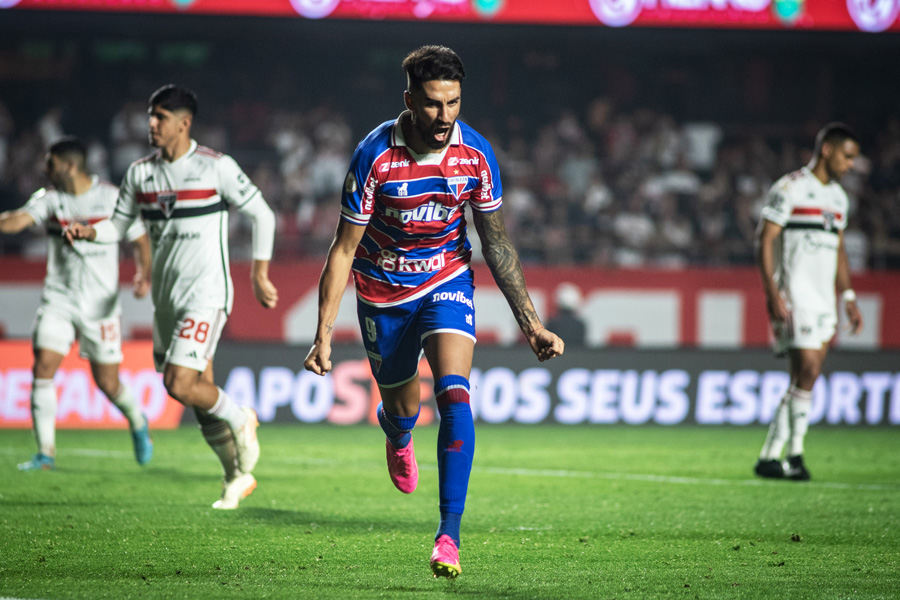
(503, 261)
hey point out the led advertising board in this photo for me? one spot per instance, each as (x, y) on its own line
(826, 15)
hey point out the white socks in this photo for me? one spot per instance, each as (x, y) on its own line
(43, 415)
(226, 409)
(790, 423)
(801, 402)
(779, 430)
(125, 402)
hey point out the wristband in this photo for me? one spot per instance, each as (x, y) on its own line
(848, 296)
(535, 330)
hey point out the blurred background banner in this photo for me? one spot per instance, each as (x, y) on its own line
(704, 308)
(862, 15)
(81, 405)
(509, 386)
(613, 386)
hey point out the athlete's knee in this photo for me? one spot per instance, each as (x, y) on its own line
(808, 373)
(108, 384)
(178, 386)
(43, 370)
(402, 401)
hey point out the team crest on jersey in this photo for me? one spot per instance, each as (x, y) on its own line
(376, 361)
(166, 201)
(457, 185)
(829, 220)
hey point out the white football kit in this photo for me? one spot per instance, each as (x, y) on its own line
(184, 205)
(81, 288)
(812, 215)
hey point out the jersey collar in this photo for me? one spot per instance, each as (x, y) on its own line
(809, 173)
(399, 140)
(191, 149)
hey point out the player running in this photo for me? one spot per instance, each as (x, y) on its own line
(801, 258)
(403, 232)
(183, 192)
(80, 299)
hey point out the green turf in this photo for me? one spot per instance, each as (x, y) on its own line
(553, 512)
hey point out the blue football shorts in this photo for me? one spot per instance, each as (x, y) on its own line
(394, 336)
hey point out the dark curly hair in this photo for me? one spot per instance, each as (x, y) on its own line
(432, 63)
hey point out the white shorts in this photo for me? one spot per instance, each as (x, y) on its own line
(100, 340)
(188, 339)
(808, 330)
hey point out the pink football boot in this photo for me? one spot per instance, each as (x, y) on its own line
(402, 467)
(445, 558)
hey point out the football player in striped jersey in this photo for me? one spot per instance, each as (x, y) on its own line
(402, 231)
(80, 299)
(803, 263)
(183, 192)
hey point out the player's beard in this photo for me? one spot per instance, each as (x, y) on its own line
(427, 134)
(833, 173)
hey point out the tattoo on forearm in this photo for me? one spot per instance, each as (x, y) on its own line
(503, 260)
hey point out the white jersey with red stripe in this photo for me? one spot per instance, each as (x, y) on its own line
(184, 204)
(83, 276)
(812, 215)
(412, 208)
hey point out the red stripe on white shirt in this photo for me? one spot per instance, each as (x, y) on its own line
(150, 197)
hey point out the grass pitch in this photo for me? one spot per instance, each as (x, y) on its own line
(553, 512)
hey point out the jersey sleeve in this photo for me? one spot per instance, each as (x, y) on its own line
(778, 204)
(234, 185)
(487, 196)
(39, 207)
(841, 223)
(119, 224)
(135, 230)
(358, 196)
(263, 222)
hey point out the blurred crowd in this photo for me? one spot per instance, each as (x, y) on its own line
(597, 185)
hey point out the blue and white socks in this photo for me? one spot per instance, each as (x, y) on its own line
(456, 448)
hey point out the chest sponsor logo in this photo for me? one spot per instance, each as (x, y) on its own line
(433, 211)
(455, 160)
(397, 164)
(166, 202)
(457, 185)
(815, 242)
(391, 262)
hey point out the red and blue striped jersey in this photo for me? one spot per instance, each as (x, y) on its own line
(412, 208)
